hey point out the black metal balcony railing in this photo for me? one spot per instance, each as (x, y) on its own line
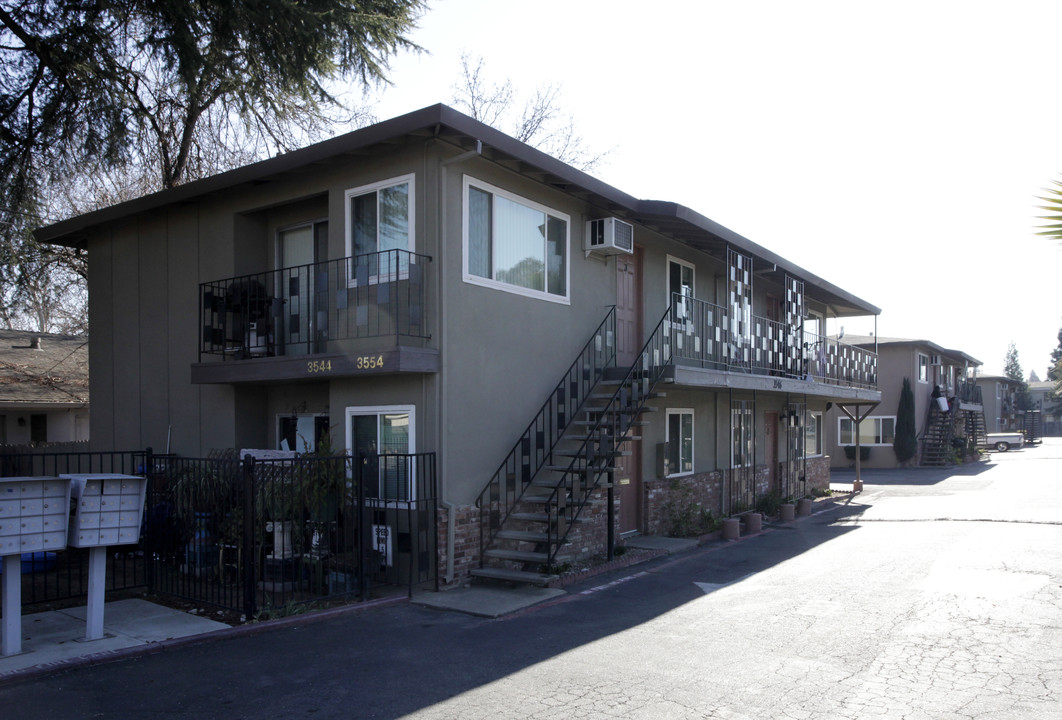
(702, 334)
(970, 393)
(300, 310)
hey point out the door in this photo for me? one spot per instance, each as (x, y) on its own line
(299, 249)
(629, 341)
(628, 307)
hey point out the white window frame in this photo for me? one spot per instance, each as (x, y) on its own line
(378, 410)
(923, 368)
(468, 277)
(875, 419)
(348, 226)
(814, 416)
(678, 452)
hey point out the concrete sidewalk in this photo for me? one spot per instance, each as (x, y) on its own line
(56, 639)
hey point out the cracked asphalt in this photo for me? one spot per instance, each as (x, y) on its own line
(932, 594)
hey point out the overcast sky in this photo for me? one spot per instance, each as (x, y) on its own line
(894, 149)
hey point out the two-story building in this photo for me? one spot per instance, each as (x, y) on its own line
(1001, 400)
(932, 372)
(573, 356)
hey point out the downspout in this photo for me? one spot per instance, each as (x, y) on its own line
(440, 386)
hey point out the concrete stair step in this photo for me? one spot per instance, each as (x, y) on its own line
(517, 576)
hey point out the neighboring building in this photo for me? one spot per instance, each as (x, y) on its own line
(44, 388)
(1000, 393)
(927, 366)
(1040, 395)
(431, 284)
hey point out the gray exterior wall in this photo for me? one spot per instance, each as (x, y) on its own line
(500, 353)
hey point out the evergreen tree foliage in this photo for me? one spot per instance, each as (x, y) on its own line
(1012, 370)
(905, 443)
(159, 92)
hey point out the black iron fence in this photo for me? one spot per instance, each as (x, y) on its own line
(255, 535)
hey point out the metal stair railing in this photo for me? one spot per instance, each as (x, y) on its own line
(535, 447)
(598, 450)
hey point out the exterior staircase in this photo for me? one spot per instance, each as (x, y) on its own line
(540, 493)
(936, 439)
(975, 428)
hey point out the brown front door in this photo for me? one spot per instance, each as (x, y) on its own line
(629, 343)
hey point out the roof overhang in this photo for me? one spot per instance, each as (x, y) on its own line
(444, 123)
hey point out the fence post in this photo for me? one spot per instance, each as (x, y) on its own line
(149, 539)
(364, 530)
(249, 554)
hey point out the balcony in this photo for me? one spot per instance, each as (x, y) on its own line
(708, 337)
(357, 315)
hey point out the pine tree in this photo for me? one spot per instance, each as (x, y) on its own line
(1012, 369)
(905, 443)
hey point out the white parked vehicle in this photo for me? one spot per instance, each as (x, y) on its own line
(1005, 441)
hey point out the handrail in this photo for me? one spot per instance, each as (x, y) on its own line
(301, 308)
(599, 450)
(535, 447)
(703, 336)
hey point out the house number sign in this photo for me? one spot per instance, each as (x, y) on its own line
(360, 362)
(369, 362)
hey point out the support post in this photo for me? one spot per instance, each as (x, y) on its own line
(856, 418)
(248, 554)
(611, 516)
(11, 632)
(97, 586)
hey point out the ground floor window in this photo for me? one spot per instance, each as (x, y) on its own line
(301, 433)
(384, 431)
(680, 441)
(813, 434)
(872, 431)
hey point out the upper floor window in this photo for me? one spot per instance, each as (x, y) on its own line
(923, 368)
(514, 244)
(379, 219)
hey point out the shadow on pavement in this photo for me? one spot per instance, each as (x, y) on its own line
(392, 661)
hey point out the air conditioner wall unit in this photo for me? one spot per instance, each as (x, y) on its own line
(608, 236)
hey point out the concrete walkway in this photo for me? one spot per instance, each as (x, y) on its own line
(55, 639)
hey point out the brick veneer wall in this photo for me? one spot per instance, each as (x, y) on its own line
(668, 498)
(818, 473)
(466, 543)
(587, 540)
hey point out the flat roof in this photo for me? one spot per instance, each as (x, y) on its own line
(869, 340)
(444, 123)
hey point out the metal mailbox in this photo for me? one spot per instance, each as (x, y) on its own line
(107, 509)
(33, 514)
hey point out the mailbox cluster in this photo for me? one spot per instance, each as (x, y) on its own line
(36, 515)
(34, 512)
(107, 509)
